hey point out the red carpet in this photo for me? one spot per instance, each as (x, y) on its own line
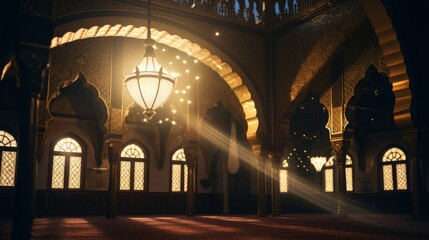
(320, 226)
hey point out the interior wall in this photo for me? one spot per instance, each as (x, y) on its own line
(304, 53)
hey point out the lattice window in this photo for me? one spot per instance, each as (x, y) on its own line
(394, 170)
(138, 176)
(176, 177)
(330, 174)
(67, 166)
(7, 140)
(125, 175)
(68, 145)
(132, 151)
(329, 180)
(8, 149)
(8, 165)
(74, 172)
(132, 172)
(283, 176)
(179, 172)
(58, 170)
(349, 174)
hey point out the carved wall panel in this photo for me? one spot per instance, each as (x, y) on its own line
(305, 54)
(116, 120)
(92, 57)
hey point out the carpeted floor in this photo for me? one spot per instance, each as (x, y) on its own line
(299, 226)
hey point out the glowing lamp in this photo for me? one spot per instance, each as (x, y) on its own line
(150, 85)
(318, 162)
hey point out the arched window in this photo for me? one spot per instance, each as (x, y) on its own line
(394, 167)
(132, 168)
(8, 148)
(66, 165)
(283, 176)
(329, 174)
(179, 172)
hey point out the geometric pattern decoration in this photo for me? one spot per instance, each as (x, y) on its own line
(74, 172)
(185, 178)
(349, 179)
(132, 172)
(283, 177)
(7, 171)
(394, 162)
(349, 174)
(387, 177)
(329, 174)
(8, 149)
(329, 180)
(125, 175)
(138, 175)
(223, 69)
(179, 172)
(68, 145)
(401, 176)
(7, 140)
(394, 154)
(67, 164)
(176, 177)
(58, 169)
(132, 151)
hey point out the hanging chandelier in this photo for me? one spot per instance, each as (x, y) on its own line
(150, 85)
(318, 158)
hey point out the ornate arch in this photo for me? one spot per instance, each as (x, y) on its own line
(224, 70)
(394, 59)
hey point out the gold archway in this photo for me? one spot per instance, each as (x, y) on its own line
(394, 60)
(205, 56)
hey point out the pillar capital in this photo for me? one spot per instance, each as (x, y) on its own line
(275, 156)
(191, 152)
(113, 150)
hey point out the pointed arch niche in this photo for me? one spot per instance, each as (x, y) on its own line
(225, 71)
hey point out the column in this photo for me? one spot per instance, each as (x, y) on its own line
(340, 151)
(275, 160)
(416, 140)
(262, 194)
(191, 153)
(225, 176)
(32, 54)
(27, 164)
(113, 156)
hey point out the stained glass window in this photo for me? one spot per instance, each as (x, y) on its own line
(179, 172)
(132, 168)
(283, 177)
(329, 174)
(394, 167)
(8, 149)
(66, 164)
